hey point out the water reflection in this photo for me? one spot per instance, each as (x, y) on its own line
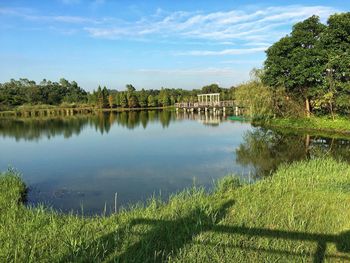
(206, 118)
(38, 128)
(265, 149)
(71, 160)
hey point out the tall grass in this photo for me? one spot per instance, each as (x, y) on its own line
(300, 214)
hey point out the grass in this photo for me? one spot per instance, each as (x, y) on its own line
(300, 214)
(326, 124)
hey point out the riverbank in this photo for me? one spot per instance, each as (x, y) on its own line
(323, 124)
(299, 214)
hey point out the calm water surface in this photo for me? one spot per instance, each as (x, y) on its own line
(74, 162)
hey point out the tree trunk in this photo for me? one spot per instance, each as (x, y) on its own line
(331, 109)
(307, 107)
(307, 146)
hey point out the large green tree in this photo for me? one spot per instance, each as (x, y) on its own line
(296, 61)
(336, 43)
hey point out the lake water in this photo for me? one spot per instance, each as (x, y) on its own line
(82, 161)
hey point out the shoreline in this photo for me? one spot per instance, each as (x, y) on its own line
(312, 124)
(180, 229)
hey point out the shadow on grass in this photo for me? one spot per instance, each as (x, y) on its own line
(167, 237)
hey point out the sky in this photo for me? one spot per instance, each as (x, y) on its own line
(149, 44)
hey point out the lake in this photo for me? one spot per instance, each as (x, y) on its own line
(79, 162)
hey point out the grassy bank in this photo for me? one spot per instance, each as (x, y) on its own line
(300, 214)
(326, 124)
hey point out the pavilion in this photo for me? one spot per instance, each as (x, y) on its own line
(209, 99)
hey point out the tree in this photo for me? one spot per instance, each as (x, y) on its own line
(102, 97)
(143, 99)
(336, 43)
(212, 88)
(164, 98)
(123, 100)
(133, 101)
(256, 98)
(117, 99)
(151, 101)
(99, 96)
(111, 101)
(130, 88)
(105, 95)
(74, 93)
(296, 61)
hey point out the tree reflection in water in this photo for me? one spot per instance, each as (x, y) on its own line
(265, 149)
(262, 149)
(38, 128)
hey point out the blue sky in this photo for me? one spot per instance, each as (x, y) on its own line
(150, 44)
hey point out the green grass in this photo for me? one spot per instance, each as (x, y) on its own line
(300, 214)
(326, 124)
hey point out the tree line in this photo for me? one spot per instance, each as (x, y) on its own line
(27, 92)
(306, 72)
(23, 91)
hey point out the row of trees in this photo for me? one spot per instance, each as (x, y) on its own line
(306, 72)
(23, 91)
(132, 98)
(26, 92)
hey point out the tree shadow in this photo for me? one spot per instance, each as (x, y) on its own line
(164, 239)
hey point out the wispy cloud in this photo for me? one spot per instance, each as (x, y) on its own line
(29, 14)
(244, 31)
(219, 26)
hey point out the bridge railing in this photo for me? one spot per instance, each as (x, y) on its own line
(225, 103)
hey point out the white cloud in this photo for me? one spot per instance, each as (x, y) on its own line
(245, 30)
(256, 28)
(29, 14)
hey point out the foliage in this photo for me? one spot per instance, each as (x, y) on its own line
(151, 101)
(300, 214)
(111, 101)
(256, 98)
(312, 64)
(24, 91)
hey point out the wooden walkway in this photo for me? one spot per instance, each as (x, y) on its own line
(199, 105)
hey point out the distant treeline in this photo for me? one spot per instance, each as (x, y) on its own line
(27, 92)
